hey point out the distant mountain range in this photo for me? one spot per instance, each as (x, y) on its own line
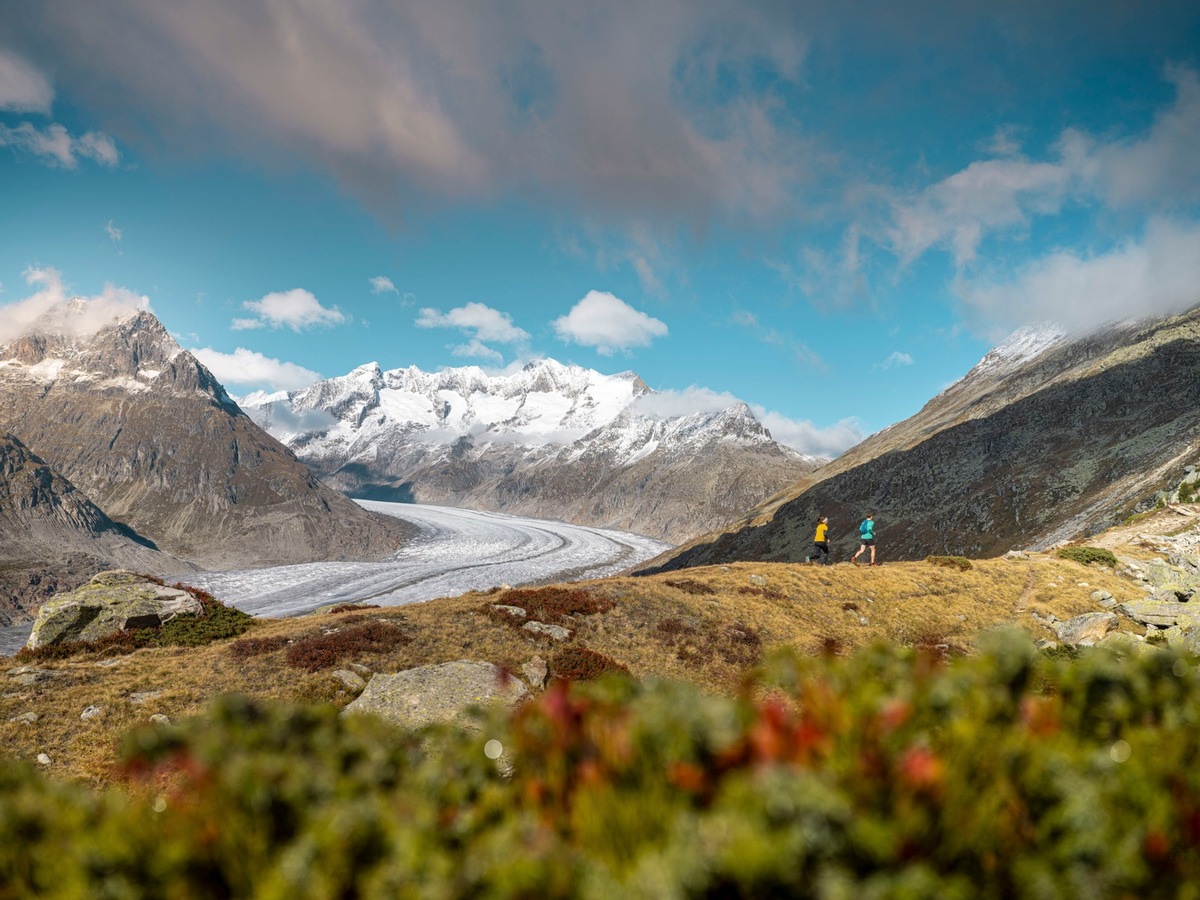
(139, 429)
(1048, 438)
(552, 440)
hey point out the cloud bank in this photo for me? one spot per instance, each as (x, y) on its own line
(50, 310)
(253, 369)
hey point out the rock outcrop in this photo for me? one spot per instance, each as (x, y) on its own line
(111, 602)
(53, 538)
(1025, 451)
(427, 695)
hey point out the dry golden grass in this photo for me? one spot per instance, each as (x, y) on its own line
(705, 626)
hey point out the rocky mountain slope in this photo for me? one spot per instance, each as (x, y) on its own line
(552, 441)
(1046, 439)
(52, 537)
(152, 438)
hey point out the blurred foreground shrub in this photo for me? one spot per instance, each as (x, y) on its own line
(886, 774)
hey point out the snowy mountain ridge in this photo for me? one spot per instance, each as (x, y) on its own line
(550, 440)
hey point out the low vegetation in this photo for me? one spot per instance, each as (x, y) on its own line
(708, 632)
(1088, 555)
(950, 562)
(883, 773)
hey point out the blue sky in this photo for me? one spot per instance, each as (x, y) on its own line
(830, 211)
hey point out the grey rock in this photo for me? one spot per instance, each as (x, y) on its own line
(536, 672)
(352, 681)
(43, 759)
(111, 602)
(1046, 644)
(1123, 642)
(514, 611)
(1108, 603)
(1100, 596)
(1154, 612)
(428, 694)
(90, 713)
(160, 719)
(25, 718)
(554, 632)
(758, 580)
(28, 676)
(1016, 554)
(360, 669)
(1087, 629)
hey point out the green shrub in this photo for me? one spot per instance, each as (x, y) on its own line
(888, 773)
(1088, 555)
(950, 562)
(1187, 492)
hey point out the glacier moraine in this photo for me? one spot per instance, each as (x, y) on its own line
(457, 550)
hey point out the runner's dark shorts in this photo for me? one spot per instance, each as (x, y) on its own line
(868, 542)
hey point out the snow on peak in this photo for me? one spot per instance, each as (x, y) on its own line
(1024, 344)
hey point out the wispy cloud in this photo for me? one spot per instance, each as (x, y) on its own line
(296, 309)
(250, 368)
(53, 144)
(895, 359)
(381, 284)
(23, 87)
(113, 232)
(805, 437)
(609, 324)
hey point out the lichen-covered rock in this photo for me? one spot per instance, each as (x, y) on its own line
(1162, 614)
(428, 694)
(110, 602)
(536, 672)
(351, 681)
(1087, 629)
(554, 632)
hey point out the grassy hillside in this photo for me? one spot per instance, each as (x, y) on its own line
(707, 626)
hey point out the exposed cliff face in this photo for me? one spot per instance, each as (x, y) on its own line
(551, 441)
(52, 537)
(1023, 452)
(153, 439)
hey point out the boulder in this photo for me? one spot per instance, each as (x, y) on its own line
(516, 611)
(554, 632)
(351, 681)
(109, 603)
(440, 693)
(1162, 614)
(1087, 629)
(536, 672)
(1185, 640)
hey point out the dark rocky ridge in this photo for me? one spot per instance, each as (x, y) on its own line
(153, 439)
(54, 538)
(1063, 446)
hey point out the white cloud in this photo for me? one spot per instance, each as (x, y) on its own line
(23, 88)
(608, 323)
(986, 196)
(381, 284)
(296, 309)
(1162, 166)
(896, 358)
(250, 368)
(50, 308)
(1156, 275)
(113, 231)
(54, 144)
(477, 319)
(671, 403)
(805, 437)
(478, 349)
